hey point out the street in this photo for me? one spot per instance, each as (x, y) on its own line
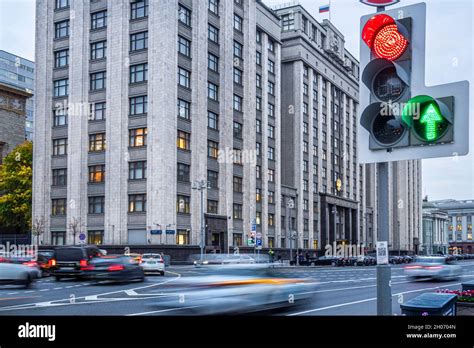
(340, 291)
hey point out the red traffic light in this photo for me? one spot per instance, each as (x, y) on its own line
(381, 34)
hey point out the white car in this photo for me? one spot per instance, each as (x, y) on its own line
(15, 274)
(433, 267)
(153, 263)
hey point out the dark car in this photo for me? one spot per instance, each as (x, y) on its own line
(328, 260)
(118, 268)
(68, 261)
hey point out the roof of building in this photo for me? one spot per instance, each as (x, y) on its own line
(14, 89)
(449, 204)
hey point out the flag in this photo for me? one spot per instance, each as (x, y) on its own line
(323, 9)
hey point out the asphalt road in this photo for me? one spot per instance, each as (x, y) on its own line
(341, 291)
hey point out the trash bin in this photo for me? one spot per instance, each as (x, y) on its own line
(468, 285)
(430, 304)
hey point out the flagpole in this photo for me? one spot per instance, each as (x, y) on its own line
(329, 10)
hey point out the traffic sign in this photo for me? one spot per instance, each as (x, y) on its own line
(254, 227)
(82, 236)
(156, 232)
(379, 3)
(170, 231)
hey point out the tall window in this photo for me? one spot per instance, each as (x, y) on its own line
(58, 237)
(95, 237)
(184, 171)
(271, 175)
(237, 103)
(137, 170)
(212, 207)
(137, 203)
(213, 179)
(61, 58)
(183, 204)
(212, 149)
(58, 207)
(258, 58)
(60, 177)
(184, 109)
(214, 6)
(212, 91)
(212, 120)
(237, 211)
(238, 22)
(61, 29)
(184, 140)
(98, 81)
(271, 153)
(97, 174)
(271, 131)
(238, 130)
(137, 137)
(60, 117)
(184, 46)
(139, 73)
(182, 237)
(98, 111)
(271, 66)
(60, 4)
(184, 78)
(271, 88)
(238, 76)
(213, 62)
(99, 20)
(61, 88)
(238, 49)
(97, 142)
(59, 147)
(184, 15)
(139, 9)
(139, 41)
(237, 184)
(139, 105)
(96, 205)
(213, 34)
(98, 50)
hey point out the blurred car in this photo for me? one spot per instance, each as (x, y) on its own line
(67, 262)
(227, 259)
(436, 268)
(135, 256)
(29, 261)
(153, 263)
(238, 289)
(17, 274)
(43, 258)
(118, 268)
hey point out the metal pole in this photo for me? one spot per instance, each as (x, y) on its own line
(290, 236)
(384, 290)
(202, 223)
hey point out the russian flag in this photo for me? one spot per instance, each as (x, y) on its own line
(323, 9)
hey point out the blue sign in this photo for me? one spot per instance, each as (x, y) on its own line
(170, 231)
(259, 242)
(254, 227)
(155, 232)
(82, 236)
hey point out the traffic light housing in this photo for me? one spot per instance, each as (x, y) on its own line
(400, 117)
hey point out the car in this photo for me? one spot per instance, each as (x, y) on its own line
(328, 260)
(116, 268)
(29, 261)
(433, 267)
(67, 262)
(43, 258)
(135, 256)
(17, 274)
(153, 263)
(227, 259)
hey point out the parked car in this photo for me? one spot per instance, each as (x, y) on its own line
(328, 260)
(436, 268)
(153, 263)
(17, 274)
(117, 268)
(69, 261)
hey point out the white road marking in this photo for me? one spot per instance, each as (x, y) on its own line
(160, 311)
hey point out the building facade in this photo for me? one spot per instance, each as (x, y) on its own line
(20, 73)
(130, 121)
(434, 239)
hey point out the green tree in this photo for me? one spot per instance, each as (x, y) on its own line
(16, 186)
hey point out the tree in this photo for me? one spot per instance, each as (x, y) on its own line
(37, 228)
(15, 187)
(75, 226)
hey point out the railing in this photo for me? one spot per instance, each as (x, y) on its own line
(15, 239)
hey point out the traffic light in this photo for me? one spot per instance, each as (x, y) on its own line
(400, 117)
(251, 240)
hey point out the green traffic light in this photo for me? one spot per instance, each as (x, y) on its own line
(423, 114)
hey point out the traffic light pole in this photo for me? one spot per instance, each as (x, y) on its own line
(384, 273)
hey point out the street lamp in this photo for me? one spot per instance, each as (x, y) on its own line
(290, 204)
(201, 185)
(334, 211)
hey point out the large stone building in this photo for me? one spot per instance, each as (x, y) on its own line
(180, 92)
(20, 73)
(434, 239)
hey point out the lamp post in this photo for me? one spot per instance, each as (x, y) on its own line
(201, 185)
(290, 204)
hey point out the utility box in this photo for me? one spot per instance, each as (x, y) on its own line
(431, 304)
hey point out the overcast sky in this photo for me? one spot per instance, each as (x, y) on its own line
(450, 36)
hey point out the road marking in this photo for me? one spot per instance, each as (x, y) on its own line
(16, 298)
(131, 292)
(44, 290)
(160, 311)
(13, 293)
(333, 306)
(57, 288)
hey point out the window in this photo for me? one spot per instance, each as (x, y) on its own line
(305, 146)
(258, 103)
(97, 174)
(288, 22)
(95, 237)
(238, 76)
(259, 81)
(58, 207)
(258, 172)
(184, 15)
(61, 29)
(259, 149)
(213, 34)
(237, 211)
(96, 205)
(139, 73)
(259, 58)
(271, 219)
(305, 109)
(60, 117)
(271, 175)
(184, 109)
(96, 142)
(271, 66)
(238, 130)
(237, 103)
(305, 89)
(212, 120)
(213, 62)
(259, 37)
(212, 149)
(271, 45)
(271, 153)
(212, 179)
(271, 110)
(258, 218)
(183, 172)
(58, 238)
(214, 6)
(60, 177)
(271, 88)
(60, 4)
(238, 22)
(182, 204)
(305, 166)
(258, 195)
(139, 41)
(305, 185)
(61, 58)
(271, 197)
(139, 105)
(99, 20)
(98, 111)
(184, 78)
(212, 207)
(259, 126)
(59, 147)
(137, 137)
(305, 204)
(237, 184)
(271, 131)
(212, 91)
(61, 88)
(98, 50)
(184, 46)
(184, 140)
(137, 203)
(182, 237)
(238, 49)
(305, 127)
(98, 81)
(139, 9)
(137, 170)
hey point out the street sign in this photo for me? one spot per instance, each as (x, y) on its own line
(382, 253)
(402, 118)
(82, 237)
(254, 227)
(251, 239)
(379, 3)
(170, 231)
(156, 232)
